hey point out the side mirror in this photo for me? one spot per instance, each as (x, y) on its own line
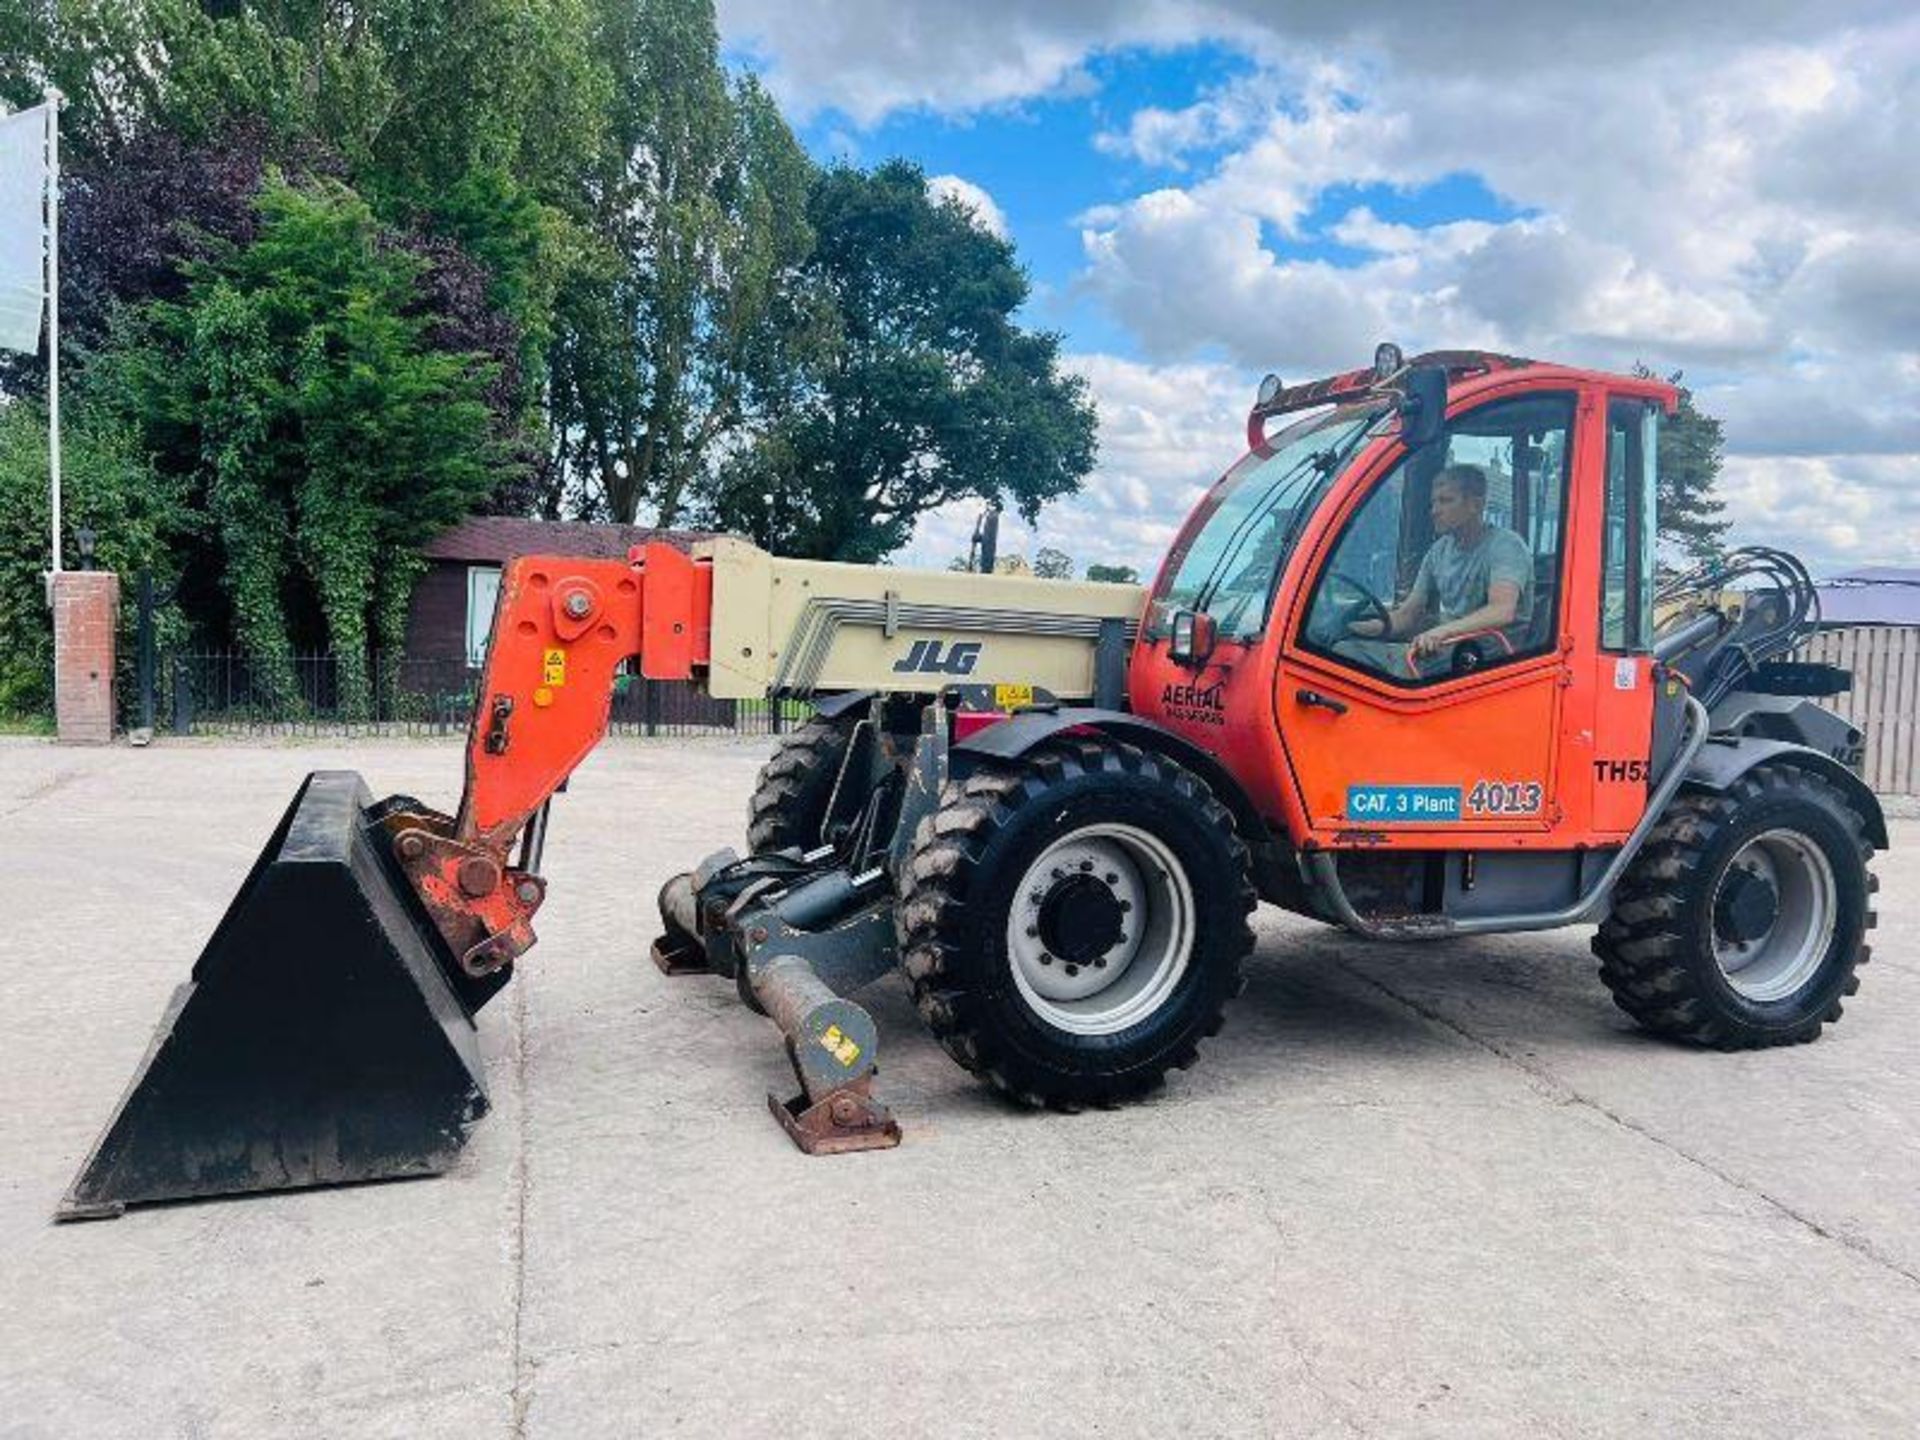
(1423, 406)
(1194, 634)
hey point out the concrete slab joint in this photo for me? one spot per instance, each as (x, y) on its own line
(86, 614)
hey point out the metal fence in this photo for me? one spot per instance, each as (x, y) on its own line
(228, 693)
(1884, 701)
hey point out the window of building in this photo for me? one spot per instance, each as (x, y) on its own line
(483, 589)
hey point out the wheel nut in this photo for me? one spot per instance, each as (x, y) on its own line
(1125, 906)
(1112, 878)
(1032, 930)
(1058, 873)
(1045, 959)
(1100, 961)
(1072, 970)
(1086, 865)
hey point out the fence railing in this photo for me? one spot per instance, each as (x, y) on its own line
(1884, 701)
(229, 693)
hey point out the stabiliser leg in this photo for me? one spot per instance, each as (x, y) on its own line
(832, 1043)
(783, 945)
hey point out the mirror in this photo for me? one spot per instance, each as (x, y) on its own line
(1194, 634)
(1423, 405)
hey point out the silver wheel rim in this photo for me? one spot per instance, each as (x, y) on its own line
(1776, 963)
(1134, 977)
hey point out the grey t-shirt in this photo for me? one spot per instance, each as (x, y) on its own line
(1454, 579)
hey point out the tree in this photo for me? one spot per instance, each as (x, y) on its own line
(1692, 517)
(296, 385)
(1115, 574)
(1052, 564)
(919, 388)
(678, 325)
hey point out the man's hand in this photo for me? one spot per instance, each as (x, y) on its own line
(1370, 628)
(1431, 642)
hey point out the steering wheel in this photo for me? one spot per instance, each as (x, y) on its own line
(1364, 606)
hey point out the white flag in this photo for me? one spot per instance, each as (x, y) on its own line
(23, 227)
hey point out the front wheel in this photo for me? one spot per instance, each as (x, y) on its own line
(1742, 922)
(1073, 922)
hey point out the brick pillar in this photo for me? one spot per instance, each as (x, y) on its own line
(86, 608)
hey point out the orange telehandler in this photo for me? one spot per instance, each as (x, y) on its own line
(1407, 669)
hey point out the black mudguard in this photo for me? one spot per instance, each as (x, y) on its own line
(1015, 737)
(1723, 760)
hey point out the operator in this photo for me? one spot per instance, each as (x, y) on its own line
(1474, 578)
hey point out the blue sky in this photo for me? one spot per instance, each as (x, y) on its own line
(1204, 191)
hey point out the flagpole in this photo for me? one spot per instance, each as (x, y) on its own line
(54, 98)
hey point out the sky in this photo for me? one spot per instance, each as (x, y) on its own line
(1204, 192)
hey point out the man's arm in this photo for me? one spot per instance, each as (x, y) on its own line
(1404, 618)
(1503, 604)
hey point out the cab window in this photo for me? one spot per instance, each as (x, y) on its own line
(1227, 561)
(1627, 554)
(1452, 563)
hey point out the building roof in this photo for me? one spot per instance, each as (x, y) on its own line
(1875, 595)
(491, 539)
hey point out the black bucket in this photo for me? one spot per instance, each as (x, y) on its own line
(319, 1042)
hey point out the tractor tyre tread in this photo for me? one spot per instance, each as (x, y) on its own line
(791, 793)
(946, 861)
(1654, 948)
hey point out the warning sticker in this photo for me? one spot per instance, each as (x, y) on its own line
(1012, 697)
(553, 667)
(837, 1043)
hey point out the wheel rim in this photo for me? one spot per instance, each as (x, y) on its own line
(1117, 902)
(1773, 914)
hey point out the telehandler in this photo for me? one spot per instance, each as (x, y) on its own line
(1405, 670)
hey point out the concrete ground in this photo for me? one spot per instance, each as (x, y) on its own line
(1432, 1191)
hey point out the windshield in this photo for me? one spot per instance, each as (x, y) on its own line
(1229, 558)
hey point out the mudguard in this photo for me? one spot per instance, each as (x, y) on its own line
(1723, 760)
(1013, 738)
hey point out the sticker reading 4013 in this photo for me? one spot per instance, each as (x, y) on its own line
(1503, 797)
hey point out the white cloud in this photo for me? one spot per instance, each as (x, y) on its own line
(986, 214)
(1729, 190)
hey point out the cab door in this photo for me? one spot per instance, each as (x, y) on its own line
(1385, 745)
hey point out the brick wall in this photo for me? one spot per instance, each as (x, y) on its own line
(86, 608)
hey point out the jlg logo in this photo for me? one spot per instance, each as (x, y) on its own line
(931, 657)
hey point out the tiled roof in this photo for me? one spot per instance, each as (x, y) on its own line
(493, 538)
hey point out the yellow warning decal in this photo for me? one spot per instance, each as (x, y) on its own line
(838, 1044)
(553, 667)
(1012, 697)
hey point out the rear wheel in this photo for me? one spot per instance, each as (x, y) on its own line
(1742, 922)
(789, 805)
(1073, 922)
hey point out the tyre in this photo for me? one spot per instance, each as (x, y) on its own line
(1073, 922)
(1742, 922)
(789, 805)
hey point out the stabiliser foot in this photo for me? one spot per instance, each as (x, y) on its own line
(844, 1120)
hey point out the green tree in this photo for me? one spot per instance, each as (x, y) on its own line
(1052, 564)
(1693, 518)
(296, 385)
(919, 389)
(676, 328)
(1116, 574)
